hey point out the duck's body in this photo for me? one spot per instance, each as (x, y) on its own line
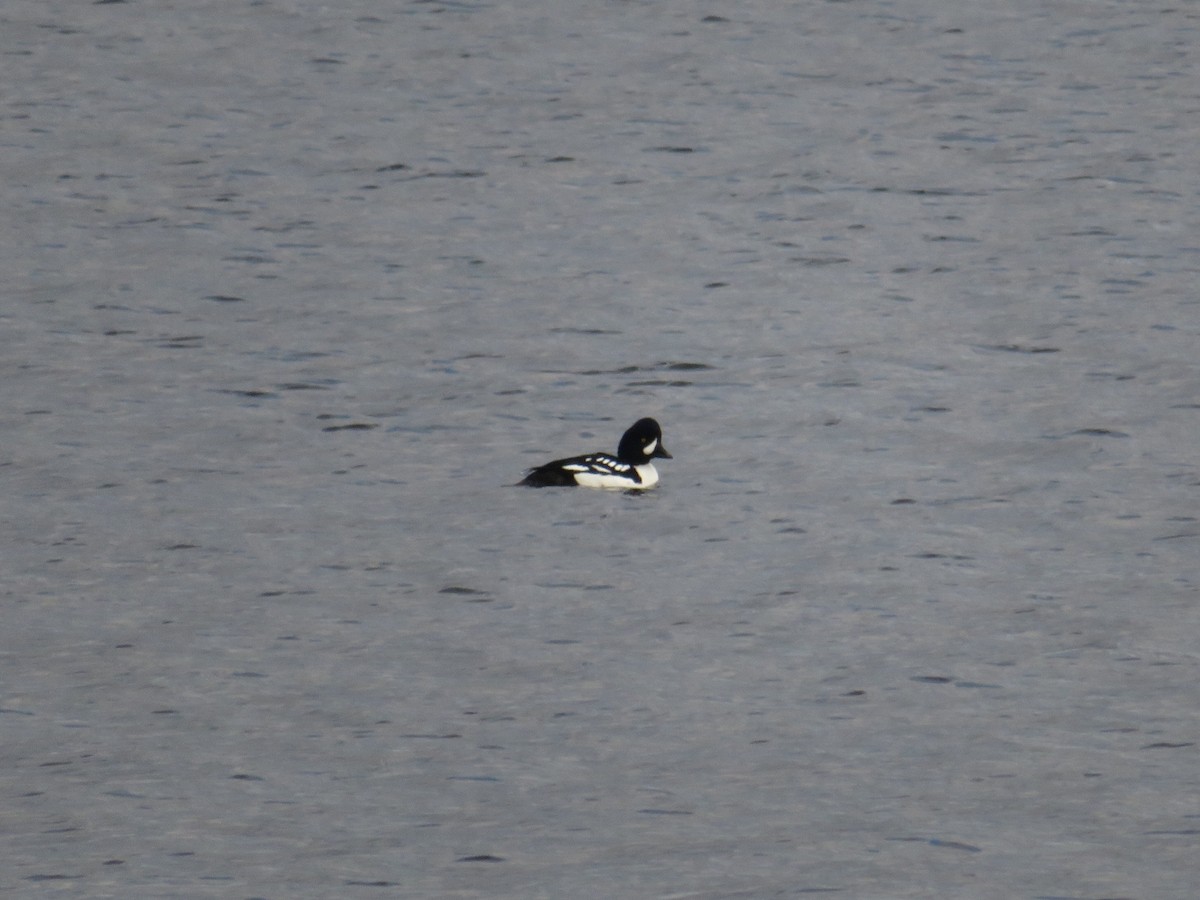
(630, 468)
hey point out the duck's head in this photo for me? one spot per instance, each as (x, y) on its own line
(642, 442)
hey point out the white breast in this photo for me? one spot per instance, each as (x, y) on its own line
(649, 475)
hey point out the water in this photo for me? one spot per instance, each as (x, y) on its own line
(295, 293)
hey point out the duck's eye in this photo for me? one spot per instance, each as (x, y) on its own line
(650, 446)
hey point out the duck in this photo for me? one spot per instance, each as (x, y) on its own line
(629, 469)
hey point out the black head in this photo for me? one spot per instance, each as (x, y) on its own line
(642, 442)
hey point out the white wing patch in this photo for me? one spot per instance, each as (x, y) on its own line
(603, 471)
(597, 480)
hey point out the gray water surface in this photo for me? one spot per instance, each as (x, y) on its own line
(294, 293)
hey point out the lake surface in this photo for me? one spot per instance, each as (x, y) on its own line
(294, 293)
